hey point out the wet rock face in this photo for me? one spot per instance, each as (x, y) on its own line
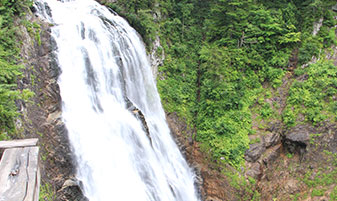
(140, 116)
(72, 190)
(41, 118)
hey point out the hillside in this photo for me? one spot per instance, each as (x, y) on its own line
(249, 89)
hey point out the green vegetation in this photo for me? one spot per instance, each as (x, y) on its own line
(246, 187)
(9, 69)
(312, 96)
(46, 193)
(221, 56)
(224, 62)
(319, 180)
(317, 192)
(333, 195)
(290, 155)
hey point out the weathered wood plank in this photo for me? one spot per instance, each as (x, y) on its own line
(18, 143)
(37, 186)
(32, 169)
(13, 174)
(18, 175)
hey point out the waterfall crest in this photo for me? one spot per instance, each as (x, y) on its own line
(104, 69)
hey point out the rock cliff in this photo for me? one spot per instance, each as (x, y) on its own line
(41, 117)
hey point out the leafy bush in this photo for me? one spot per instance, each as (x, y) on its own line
(314, 95)
(266, 110)
(289, 116)
(9, 69)
(310, 47)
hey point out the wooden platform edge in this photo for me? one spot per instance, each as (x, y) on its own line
(38, 183)
(18, 143)
(20, 175)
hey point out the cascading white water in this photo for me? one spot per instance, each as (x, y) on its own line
(103, 63)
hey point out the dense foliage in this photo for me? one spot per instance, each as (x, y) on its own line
(9, 68)
(223, 55)
(313, 94)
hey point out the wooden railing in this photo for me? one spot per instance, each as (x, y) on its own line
(19, 170)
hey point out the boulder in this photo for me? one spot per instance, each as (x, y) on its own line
(297, 138)
(254, 170)
(275, 127)
(254, 152)
(271, 139)
(291, 186)
(71, 190)
(199, 180)
(139, 115)
(213, 199)
(272, 154)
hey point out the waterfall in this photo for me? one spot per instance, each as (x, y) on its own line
(105, 72)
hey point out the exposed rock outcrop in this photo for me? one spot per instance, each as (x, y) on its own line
(212, 184)
(254, 170)
(156, 56)
(317, 26)
(307, 151)
(297, 138)
(272, 155)
(71, 190)
(271, 139)
(140, 116)
(254, 152)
